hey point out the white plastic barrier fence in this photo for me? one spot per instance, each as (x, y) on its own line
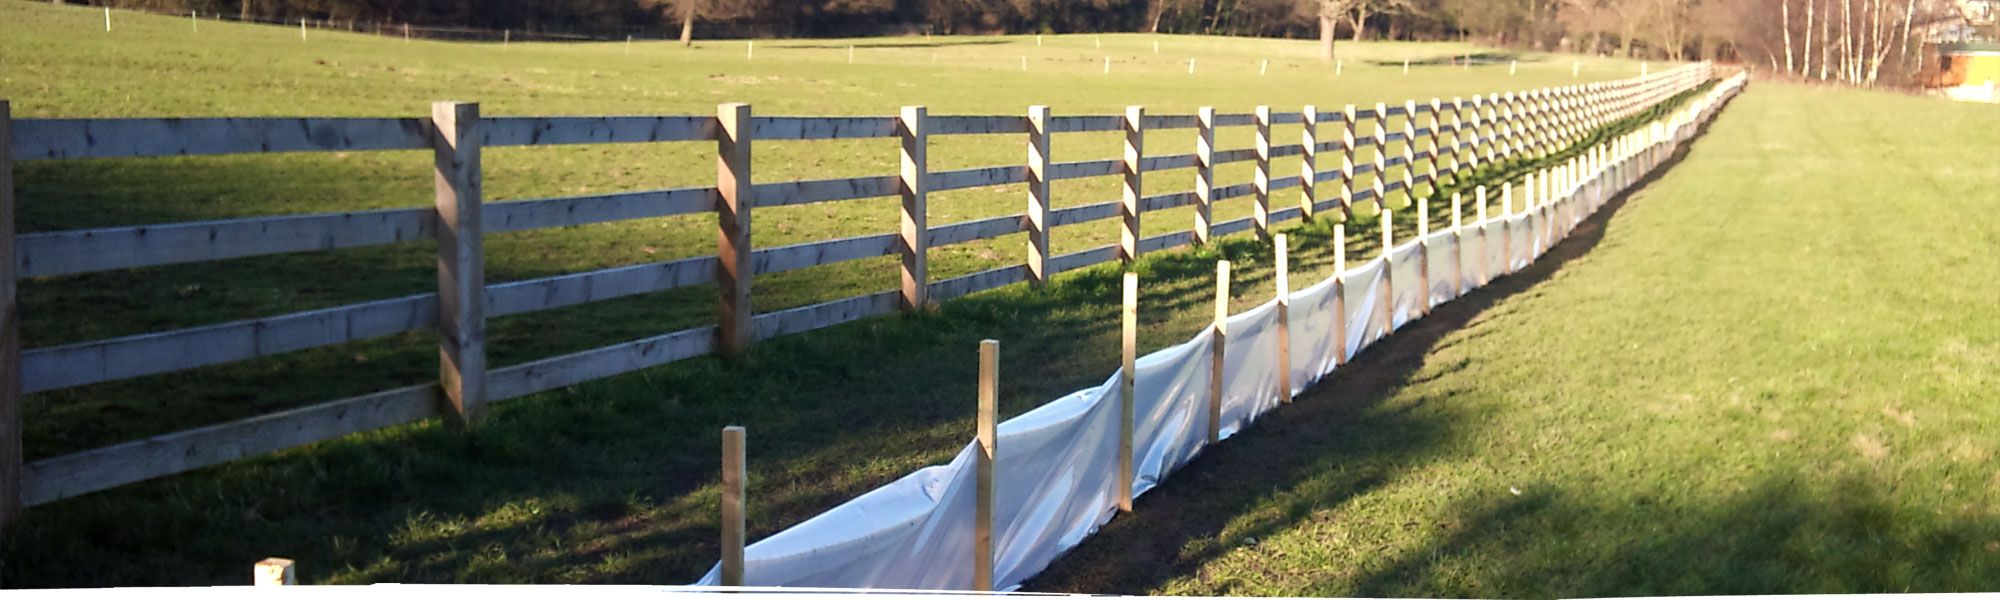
(1056, 465)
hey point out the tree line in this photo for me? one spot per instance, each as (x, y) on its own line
(1862, 42)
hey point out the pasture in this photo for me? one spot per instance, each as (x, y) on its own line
(608, 481)
(1770, 371)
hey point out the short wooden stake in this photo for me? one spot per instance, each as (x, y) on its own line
(733, 485)
(1128, 381)
(1261, 214)
(461, 259)
(915, 239)
(1038, 195)
(107, 23)
(1134, 190)
(1217, 359)
(1282, 278)
(274, 571)
(1423, 256)
(989, 451)
(1339, 294)
(10, 332)
(1387, 309)
(732, 210)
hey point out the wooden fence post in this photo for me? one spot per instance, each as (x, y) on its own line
(1381, 143)
(1038, 195)
(1261, 214)
(1481, 147)
(1204, 176)
(1339, 294)
(1283, 279)
(1128, 380)
(1410, 151)
(274, 571)
(10, 333)
(461, 256)
(1128, 207)
(1432, 143)
(1347, 163)
(916, 243)
(733, 521)
(1309, 162)
(1218, 359)
(989, 450)
(733, 136)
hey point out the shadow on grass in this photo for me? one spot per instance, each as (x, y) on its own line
(1454, 60)
(1778, 536)
(927, 43)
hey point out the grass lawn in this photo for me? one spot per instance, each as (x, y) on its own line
(610, 481)
(1771, 371)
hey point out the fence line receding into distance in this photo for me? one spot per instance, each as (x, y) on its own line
(1455, 135)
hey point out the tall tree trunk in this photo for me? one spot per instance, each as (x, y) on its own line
(1786, 10)
(244, 13)
(687, 23)
(1154, 9)
(1360, 21)
(1326, 24)
(1805, 69)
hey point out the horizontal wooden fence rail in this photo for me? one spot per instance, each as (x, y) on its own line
(1356, 154)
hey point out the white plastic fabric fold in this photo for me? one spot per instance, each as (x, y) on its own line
(1442, 254)
(1406, 263)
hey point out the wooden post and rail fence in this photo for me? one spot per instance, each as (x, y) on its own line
(1483, 130)
(1586, 178)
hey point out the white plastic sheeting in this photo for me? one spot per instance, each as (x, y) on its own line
(1055, 465)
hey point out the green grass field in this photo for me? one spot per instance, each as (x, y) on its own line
(61, 63)
(612, 481)
(1771, 371)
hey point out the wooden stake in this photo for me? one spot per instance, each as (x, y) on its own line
(461, 259)
(1217, 359)
(1283, 280)
(733, 521)
(10, 333)
(1423, 256)
(1339, 294)
(915, 236)
(274, 571)
(1388, 295)
(989, 451)
(1038, 195)
(1128, 207)
(733, 137)
(1204, 176)
(1128, 380)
